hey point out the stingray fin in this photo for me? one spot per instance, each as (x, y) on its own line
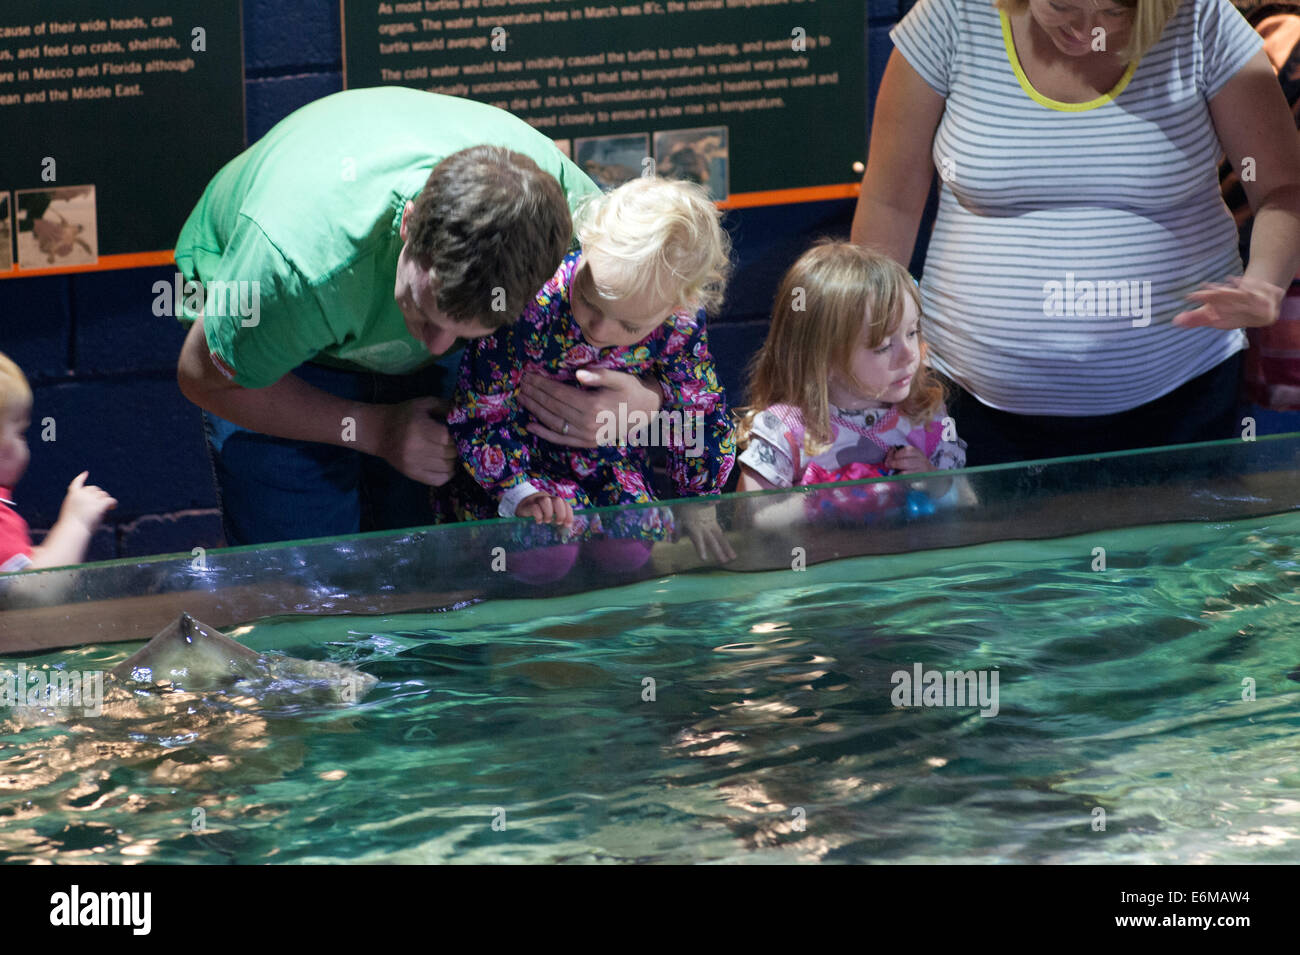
(189, 651)
(196, 656)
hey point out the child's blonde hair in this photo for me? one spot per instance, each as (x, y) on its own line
(13, 385)
(828, 297)
(658, 234)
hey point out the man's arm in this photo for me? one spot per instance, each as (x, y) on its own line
(406, 434)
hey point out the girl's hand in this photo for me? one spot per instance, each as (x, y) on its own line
(1241, 302)
(572, 416)
(546, 509)
(906, 459)
(700, 521)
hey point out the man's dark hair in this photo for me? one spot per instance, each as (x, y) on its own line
(489, 219)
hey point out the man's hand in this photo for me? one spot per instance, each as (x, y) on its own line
(86, 504)
(546, 509)
(416, 443)
(408, 435)
(571, 416)
(906, 459)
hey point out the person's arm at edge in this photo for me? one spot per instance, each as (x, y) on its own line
(899, 165)
(1252, 119)
(1253, 122)
(751, 480)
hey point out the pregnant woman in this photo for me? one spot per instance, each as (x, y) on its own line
(1083, 291)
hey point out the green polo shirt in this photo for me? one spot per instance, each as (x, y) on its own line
(312, 212)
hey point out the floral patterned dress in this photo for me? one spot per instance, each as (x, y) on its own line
(508, 464)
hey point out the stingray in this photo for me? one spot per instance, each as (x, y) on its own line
(189, 721)
(189, 707)
(194, 656)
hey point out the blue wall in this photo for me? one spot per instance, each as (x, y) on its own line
(103, 367)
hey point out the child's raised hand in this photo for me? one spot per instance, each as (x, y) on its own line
(906, 459)
(546, 509)
(85, 503)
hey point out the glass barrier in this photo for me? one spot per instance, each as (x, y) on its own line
(442, 567)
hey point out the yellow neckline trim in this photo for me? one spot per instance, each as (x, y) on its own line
(1042, 100)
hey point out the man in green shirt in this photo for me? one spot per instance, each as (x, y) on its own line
(329, 265)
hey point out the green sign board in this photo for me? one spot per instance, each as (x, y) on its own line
(745, 96)
(115, 116)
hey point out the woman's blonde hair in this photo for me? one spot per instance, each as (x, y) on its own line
(13, 385)
(830, 296)
(1150, 17)
(658, 234)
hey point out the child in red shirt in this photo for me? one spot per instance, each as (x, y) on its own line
(83, 507)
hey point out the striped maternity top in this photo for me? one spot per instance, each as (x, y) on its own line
(1069, 234)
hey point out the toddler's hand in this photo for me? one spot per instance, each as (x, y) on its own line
(546, 509)
(85, 503)
(700, 521)
(906, 459)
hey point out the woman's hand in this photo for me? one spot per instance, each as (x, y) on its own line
(571, 416)
(700, 521)
(1240, 302)
(546, 509)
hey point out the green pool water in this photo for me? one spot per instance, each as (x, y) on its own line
(522, 730)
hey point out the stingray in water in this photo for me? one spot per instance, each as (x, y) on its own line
(195, 715)
(193, 656)
(188, 663)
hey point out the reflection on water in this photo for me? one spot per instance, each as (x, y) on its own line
(171, 756)
(731, 717)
